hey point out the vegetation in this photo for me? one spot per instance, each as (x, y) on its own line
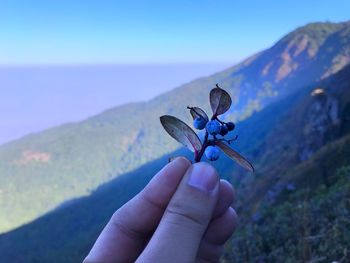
(266, 203)
(71, 160)
(296, 206)
(309, 224)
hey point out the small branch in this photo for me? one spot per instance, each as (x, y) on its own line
(219, 120)
(198, 156)
(230, 140)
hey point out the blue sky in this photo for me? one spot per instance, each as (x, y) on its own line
(150, 47)
(84, 31)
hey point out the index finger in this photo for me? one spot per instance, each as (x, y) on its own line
(125, 235)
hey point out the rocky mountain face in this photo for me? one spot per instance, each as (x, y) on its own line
(321, 123)
(307, 54)
(71, 160)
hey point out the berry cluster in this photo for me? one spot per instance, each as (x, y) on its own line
(213, 127)
(215, 130)
(216, 127)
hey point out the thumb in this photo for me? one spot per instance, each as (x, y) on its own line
(186, 217)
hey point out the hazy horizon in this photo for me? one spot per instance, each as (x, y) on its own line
(34, 98)
(49, 50)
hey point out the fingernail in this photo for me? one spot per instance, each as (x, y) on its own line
(203, 177)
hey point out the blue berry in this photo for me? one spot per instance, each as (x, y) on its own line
(212, 153)
(199, 123)
(224, 130)
(230, 126)
(213, 127)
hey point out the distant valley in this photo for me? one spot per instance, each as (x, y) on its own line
(271, 92)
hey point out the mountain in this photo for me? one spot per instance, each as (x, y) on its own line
(304, 198)
(40, 171)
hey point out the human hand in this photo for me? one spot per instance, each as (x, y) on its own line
(182, 215)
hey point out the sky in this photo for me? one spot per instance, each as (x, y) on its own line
(100, 31)
(63, 61)
(33, 98)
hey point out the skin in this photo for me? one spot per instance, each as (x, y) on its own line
(182, 215)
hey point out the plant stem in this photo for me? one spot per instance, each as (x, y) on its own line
(219, 120)
(199, 156)
(230, 140)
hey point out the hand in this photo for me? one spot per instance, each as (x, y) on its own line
(182, 215)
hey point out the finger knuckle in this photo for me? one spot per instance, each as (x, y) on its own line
(186, 214)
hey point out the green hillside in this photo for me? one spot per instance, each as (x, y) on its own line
(40, 171)
(311, 224)
(295, 207)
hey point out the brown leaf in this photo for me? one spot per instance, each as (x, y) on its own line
(220, 101)
(198, 112)
(235, 156)
(181, 132)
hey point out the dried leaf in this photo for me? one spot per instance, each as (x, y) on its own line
(235, 156)
(181, 132)
(220, 101)
(198, 112)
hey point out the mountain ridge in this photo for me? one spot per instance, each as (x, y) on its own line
(72, 160)
(69, 239)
